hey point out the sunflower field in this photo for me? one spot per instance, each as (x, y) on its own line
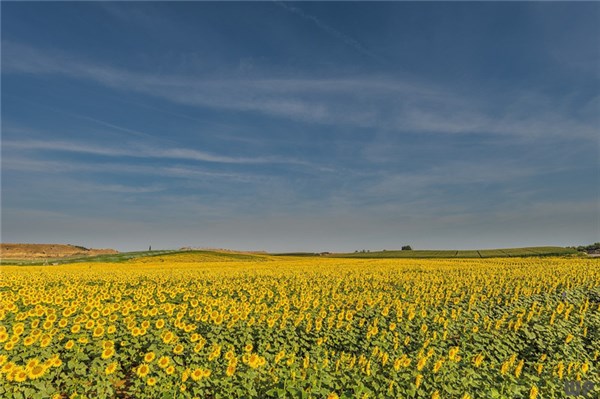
(257, 326)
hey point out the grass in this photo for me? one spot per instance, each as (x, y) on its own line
(191, 255)
(482, 253)
(297, 254)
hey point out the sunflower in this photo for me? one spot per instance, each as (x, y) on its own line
(254, 361)
(230, 370)
(453, 352)
(584, 367)
(163, 362)
(178, 350)
(504, 367)
(111, 368)
(108, 353)
(477, 360)
(149, 357)
(98, 331)
(151, 381)
(168, 337)
(533, 393)
(18, 329)
(20, 376)
(569, 338)
(279, 356)
(7, 367)
(185, 375)
(539, 368)
(36, 372)
(560, 369)
(418, 380)
(438, 365)
(421, 363)
(197, 374)
(519, 368)
(198, 347)
(31, 364)
(143, 370)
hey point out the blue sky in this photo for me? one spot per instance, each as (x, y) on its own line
(301, 126)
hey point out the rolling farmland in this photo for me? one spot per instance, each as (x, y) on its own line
(482, 253)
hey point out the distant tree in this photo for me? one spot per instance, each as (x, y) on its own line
(589, 248)
(406, 248)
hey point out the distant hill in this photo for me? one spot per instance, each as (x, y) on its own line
(184, 255)
(48, 251)
(40, 254)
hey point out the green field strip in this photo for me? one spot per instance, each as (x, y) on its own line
(505, 253)
(109, 258)
(492, 253)
(468, 254)
(484, 253)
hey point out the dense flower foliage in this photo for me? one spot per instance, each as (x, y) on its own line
(184, 326)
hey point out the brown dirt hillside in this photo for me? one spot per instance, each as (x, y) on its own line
(48, 251)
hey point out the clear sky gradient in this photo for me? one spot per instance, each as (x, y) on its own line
(301, 126)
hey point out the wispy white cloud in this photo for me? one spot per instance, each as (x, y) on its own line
(139, 151)
(389, 103)
(116, 188)
(426, 189)
(112, 126)
(38, 166)
(331, 31)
